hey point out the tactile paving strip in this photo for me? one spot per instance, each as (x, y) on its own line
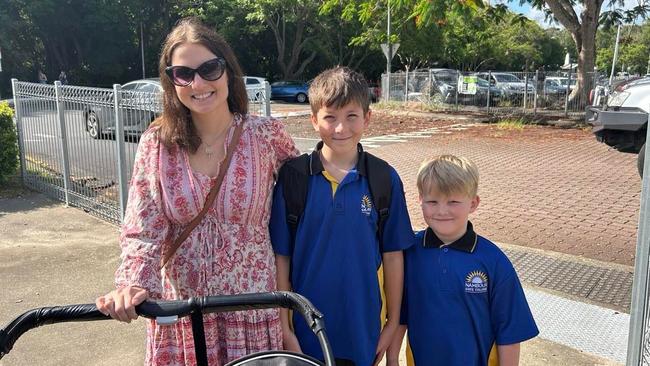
(586, 327)
(611, 287)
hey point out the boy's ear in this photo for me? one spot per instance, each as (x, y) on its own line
(366, 121)
(474, 204)
(314, 121)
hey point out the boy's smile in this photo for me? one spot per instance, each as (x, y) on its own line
(447, 215)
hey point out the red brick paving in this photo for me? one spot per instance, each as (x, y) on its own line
(546, 188)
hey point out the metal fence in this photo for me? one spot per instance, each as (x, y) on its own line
(77, 144)
(491, 92)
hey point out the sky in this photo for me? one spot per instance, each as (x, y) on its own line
(538, 15)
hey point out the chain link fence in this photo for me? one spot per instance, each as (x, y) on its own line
(491, 92)
(77, 144)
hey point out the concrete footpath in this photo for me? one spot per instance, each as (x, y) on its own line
(54, 255)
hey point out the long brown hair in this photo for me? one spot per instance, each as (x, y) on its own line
(176, 127)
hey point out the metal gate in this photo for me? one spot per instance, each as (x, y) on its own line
(77, 144)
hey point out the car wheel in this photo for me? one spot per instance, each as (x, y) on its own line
(301, 98)
(93, 126)
(640, 159)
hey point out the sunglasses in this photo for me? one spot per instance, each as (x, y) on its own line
(210, 70)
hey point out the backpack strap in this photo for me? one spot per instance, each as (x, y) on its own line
(294, 176)
(380, 184)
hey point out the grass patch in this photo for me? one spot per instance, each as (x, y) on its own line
(512, 124)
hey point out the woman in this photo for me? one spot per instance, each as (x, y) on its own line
(178, 158)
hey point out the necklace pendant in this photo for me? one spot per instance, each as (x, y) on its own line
(208, 152)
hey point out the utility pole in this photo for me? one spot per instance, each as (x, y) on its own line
(389, 57)
(142, 48)
(618, 37)
(389, 50)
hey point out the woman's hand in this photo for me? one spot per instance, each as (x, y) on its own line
(290, 341)
(120, 304)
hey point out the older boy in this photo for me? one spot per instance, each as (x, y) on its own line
(462, 294)
(333, 254)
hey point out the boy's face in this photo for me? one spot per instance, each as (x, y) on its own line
(447, 215)
(341, 128)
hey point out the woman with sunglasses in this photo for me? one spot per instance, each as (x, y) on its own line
(229, 251)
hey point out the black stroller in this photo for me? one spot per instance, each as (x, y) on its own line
(170, 311)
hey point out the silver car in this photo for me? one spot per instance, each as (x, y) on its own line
(140, 104)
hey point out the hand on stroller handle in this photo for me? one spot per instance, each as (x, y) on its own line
(168, 312)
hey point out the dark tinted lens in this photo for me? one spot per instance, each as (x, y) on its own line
(211, 70)
(182, 75)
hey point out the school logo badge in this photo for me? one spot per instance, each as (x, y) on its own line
(476, 282)
(366, 205)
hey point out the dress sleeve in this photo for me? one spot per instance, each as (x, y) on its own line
(281, 142)
(145, 226)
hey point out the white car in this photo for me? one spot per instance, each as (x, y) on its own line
(623, 121)
(255, 86)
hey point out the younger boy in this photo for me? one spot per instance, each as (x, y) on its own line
(461, 293)
(333, 254)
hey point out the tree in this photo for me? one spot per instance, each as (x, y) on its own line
(583, 26)
(294, 24)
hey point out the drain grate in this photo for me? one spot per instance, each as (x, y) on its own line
(610, 287)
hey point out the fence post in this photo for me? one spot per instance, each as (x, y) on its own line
(537, 81)
(458, 85)
(526, 91)
(431, 92)
(639, 305)
(406, 87)
(19, 130)
(121, 149)
(267, 99)
(488, 95)
(566, 95)
(63, 145)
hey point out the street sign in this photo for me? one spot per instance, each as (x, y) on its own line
(394, 46)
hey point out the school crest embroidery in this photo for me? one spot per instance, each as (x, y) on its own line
(366, 205)
(476, 282)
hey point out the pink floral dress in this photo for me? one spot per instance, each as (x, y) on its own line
(229, 252)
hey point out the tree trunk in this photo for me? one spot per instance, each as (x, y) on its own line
(586, 53)
(583, 31)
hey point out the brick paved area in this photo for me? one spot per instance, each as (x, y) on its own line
(545, 188)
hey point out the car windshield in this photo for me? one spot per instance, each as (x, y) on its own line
(507, 78)
(447, 77)
(482, 82)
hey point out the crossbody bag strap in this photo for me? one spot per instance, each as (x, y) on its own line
(169, 251)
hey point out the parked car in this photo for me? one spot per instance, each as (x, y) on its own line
(555, 86)
(511, 86)
(290, 90)
(482, 93)
(623, 121)
(140, 106)
(255, 86)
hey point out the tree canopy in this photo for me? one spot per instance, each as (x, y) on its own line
(98, 42)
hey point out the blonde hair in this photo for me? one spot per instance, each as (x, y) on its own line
(448, 174)
(338, 87)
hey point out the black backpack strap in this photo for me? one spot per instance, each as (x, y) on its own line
(380, 183)
(294, 176)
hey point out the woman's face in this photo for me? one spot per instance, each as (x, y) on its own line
(201, 97)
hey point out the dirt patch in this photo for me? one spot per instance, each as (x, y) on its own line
(387, 122)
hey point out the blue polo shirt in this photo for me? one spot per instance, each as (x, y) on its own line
(461, 298)
(335, 257)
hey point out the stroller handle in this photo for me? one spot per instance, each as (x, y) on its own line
(171, 308)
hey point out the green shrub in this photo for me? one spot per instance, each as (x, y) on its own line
(8, 143)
